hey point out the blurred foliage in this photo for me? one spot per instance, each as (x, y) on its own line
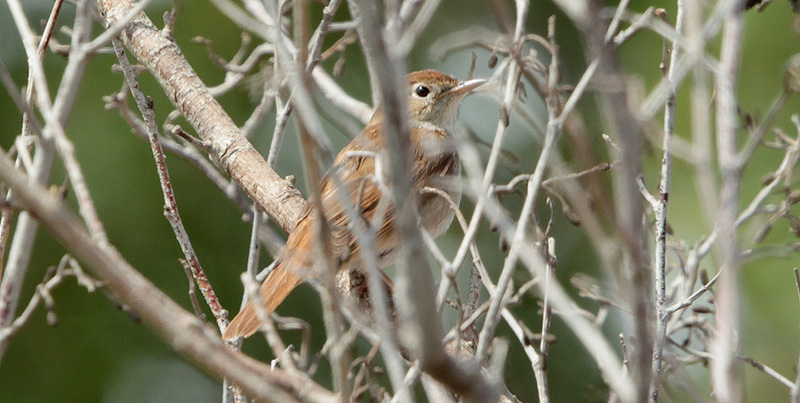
(97, 353)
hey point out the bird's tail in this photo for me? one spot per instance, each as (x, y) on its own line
(277, 286)
(279, 283)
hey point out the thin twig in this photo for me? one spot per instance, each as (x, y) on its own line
(540, 366)
(170, 204)
(198, 311)
(661, 213)
(66, 267)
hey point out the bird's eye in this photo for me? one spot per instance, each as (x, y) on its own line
(422, 91)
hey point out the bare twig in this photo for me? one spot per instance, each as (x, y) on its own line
(724, 374)
(661, 210)
(540, 366)
(198, 311)
(312, 140)
(170, 204)
(67, 267)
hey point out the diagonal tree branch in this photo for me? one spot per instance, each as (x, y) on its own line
(232, 151)
(185, 333)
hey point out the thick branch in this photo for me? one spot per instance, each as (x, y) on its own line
(724, 371)
(162, 57)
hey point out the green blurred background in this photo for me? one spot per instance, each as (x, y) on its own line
(97, 353)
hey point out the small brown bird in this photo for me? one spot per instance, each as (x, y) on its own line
(433, 100)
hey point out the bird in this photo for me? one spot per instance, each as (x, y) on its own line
(433, 100)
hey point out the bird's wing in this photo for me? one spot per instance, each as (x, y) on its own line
(354, 181)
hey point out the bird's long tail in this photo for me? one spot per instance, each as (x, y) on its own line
(279, 283)
(277, 286)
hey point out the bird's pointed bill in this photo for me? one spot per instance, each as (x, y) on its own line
(466, 86)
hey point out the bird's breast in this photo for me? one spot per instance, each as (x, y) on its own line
(435, 210)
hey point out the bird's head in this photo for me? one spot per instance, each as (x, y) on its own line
(433, 98)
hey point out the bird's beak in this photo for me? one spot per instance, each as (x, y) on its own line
(466, 86)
